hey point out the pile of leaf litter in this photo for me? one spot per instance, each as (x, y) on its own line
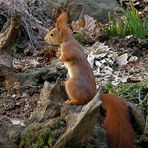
(28, 54)
(113, 60)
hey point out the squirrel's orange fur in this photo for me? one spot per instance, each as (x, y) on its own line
(117, 122)
(81, 86)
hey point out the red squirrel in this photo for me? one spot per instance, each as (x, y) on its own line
(81, 86)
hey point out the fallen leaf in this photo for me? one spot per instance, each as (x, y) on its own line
(15, 121)
(134, 79)
(122, 60)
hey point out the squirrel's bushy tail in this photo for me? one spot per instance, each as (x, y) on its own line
(117, 123)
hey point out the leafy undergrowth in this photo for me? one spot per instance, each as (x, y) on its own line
(136, 93)
(80, 38)
(130, 91)
(130, 24)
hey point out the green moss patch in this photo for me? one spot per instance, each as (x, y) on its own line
(38, 135)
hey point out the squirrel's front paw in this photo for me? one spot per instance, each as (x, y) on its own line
(67, 102)
(61, 58)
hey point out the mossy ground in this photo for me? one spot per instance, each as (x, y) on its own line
(38, 135)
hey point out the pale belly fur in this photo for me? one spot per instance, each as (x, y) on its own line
(69, 69)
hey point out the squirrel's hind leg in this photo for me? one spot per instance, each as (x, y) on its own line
(75, 92)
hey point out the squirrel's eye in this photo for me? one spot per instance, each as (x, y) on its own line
(51, 34)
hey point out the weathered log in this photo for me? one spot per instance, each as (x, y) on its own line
(137, 117)
(51, 105)
(7, 38)
(9, 34)
(81, 125)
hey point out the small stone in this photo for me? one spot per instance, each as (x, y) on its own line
(14, 95)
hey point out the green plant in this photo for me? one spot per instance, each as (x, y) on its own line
(129, 90)
(36, 136)
(8, 86)
(50, 141)
(138, 140)
(137, 26)
(80, 37)
(112, 26)
(132, 24)
(122, 28)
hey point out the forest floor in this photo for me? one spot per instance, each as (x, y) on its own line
(119, 64)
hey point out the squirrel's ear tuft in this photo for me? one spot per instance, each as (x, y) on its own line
(62, 19)
(60, 35)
